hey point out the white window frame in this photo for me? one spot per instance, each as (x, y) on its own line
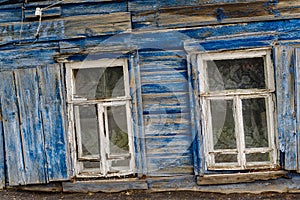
(237, 95)
(73, 102)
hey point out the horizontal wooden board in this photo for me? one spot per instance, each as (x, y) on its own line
(216, 179)
(166, 166)
(10, 15)
(17, 58)
(157, 88)
(169, 145)
(160, 103)
(165, 66)
(97, 25)
(91, 8)
(105, 185)
(197, 15)
(64, 28)
(164, 77)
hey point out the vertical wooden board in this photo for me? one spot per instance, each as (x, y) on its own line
(198, 149)
(285, 106)
(53, 116)
(31, 126)
(11, 128)
(136, 95)
(297, 93)
(2, 156)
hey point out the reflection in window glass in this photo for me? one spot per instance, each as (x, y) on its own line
(99, 83)
(223, 124)
(226, 158)
(117, 126)
(255, 122)
(258, 157)
(88, 129)
(246, 73)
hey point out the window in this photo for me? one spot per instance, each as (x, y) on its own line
(237, 100)
(99, 109)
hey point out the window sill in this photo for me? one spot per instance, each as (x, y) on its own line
(217, 179)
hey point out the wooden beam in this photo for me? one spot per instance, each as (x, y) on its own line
(105, 185)
(199, 15)
(217, 179)
(66, 28)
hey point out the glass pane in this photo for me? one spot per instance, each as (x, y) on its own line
(246, 73)
(91, 165)
(117, 128)
(223, 124)
(255, 123)
(118, 165)
(226, 158)
(88, 129)
(258, 157)
(98, 83)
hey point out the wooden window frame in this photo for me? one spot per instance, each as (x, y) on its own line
(237, 95)
(74, 102)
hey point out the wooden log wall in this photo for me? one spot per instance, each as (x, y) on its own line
(32, 105)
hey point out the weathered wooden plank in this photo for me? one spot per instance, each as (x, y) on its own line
(235, 42)
(50, 187)
(11, 126)
(20, 58)
(105, 186)
(158, 88)
(165, 103)
(97, 25)
(162, 124)
(169, 145)
(142, 5)
(10, 15)
(166, 166)
(194, 91)
(53, 116)
(90, 8)
(165, 66)
(2, 155)
(297, 100)
(285, 93)
(217, 179)
(171, 16)
(65, 28)
(164, 77)
(137, 115)
(31, 126)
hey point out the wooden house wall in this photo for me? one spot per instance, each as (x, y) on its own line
(33, 115)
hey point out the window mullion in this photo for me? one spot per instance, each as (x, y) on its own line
(100, 110)
(239, 130)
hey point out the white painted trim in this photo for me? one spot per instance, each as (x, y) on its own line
(238, 95)
(102, 104)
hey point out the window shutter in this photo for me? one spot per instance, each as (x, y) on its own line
(54, 125)
(32, 127)
(285, 91)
